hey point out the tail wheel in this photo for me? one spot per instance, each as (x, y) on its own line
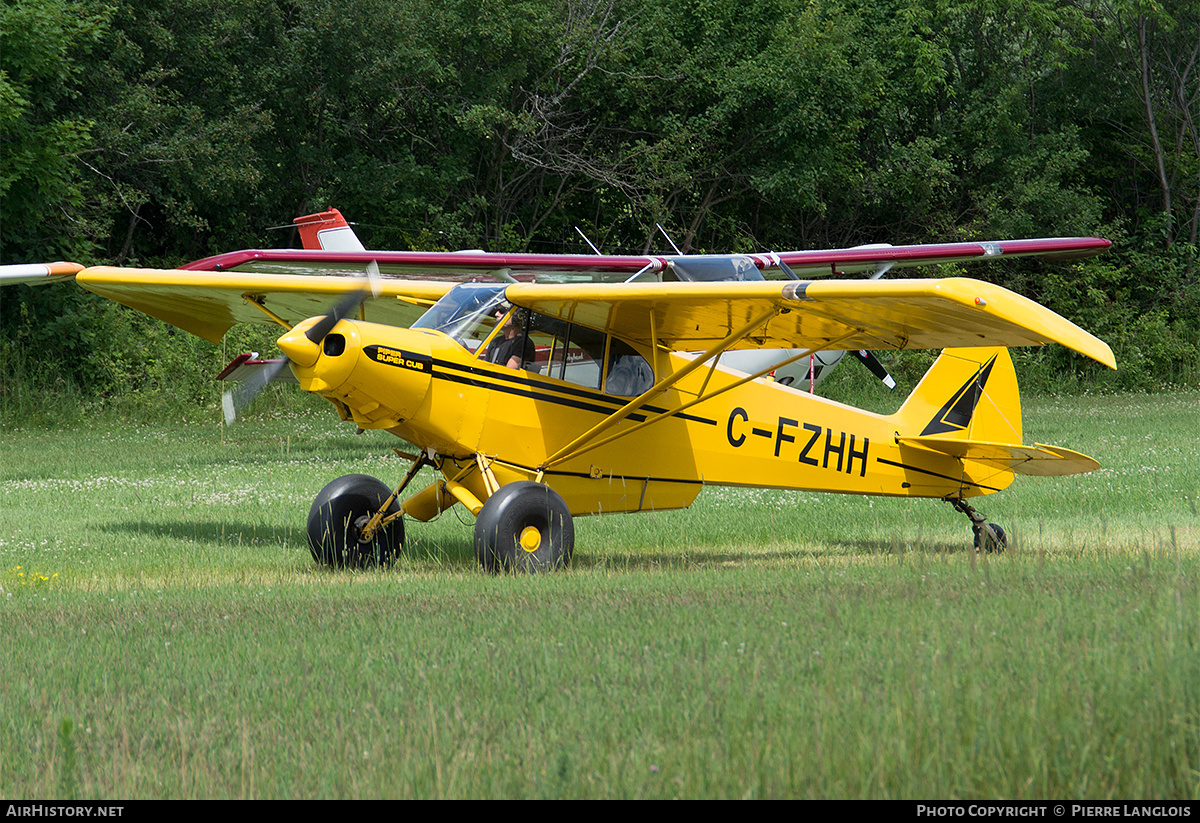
(989, 537)
(337, 516)
(524, 527)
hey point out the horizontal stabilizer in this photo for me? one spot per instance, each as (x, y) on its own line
(1038, 460)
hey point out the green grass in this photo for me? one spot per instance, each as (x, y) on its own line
(167, 634)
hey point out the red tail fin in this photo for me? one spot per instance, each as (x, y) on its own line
(327, 231)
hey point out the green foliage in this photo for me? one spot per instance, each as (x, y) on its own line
(69, 355)
(155, 132)
(44, 132)
(1153, 326)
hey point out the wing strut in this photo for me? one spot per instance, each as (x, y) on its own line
(573, 448)
(699, 399)
(258, 303)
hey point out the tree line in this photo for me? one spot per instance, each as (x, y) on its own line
(148, 132)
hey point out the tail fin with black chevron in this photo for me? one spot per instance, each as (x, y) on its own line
(968, 406)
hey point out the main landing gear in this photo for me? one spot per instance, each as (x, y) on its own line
(356, 521)
(337, 519)
(524, 527)
(989, 537)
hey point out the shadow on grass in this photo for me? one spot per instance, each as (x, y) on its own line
(224, 533)
(690, 559)
(879, 547)
(458, 554)
(453, 554)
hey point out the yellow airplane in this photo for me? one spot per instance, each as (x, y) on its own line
(540, 402)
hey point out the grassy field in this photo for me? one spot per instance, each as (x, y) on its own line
(167, 634)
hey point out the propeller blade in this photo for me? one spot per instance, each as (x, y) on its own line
(353, 300)
(235, 400)
(877, 368)
(239, 398)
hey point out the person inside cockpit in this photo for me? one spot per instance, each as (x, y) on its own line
(512, 347)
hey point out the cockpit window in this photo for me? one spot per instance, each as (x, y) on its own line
(568, 352)
(628, 372)
(471, 312)
(467, 313)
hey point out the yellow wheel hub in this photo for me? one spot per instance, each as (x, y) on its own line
(531, 538)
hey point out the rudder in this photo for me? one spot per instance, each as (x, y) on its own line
(968, 394)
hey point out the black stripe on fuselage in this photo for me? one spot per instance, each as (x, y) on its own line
(511, 382)
(957, 480)
(626, 478)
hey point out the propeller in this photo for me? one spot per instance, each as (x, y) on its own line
(235, 400)
(877, 368)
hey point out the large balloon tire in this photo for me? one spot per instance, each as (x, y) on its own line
(337, 514)
(524, 527)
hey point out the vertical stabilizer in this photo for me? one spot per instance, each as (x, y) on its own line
(327, 231)
(968, 394)
(967, 406)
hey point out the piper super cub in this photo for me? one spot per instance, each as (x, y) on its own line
(540, 402)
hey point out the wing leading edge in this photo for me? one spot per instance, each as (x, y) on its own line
(35, 274)
(876, 314)
(576, 267)
(208, 303)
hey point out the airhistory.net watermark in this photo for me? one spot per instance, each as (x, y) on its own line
(61, 810)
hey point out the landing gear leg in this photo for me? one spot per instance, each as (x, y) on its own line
(989, 537)
(355, 521)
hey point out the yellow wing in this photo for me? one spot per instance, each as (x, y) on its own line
(876, 314)
(208, 303)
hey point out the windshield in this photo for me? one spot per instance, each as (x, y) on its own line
(466, 312)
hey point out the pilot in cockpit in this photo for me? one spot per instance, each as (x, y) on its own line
(512, 347)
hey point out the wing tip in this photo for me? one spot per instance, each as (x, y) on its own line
(36, 274)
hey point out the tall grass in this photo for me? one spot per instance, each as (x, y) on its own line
(167, 634)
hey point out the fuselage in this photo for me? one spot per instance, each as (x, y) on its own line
(429, 389)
